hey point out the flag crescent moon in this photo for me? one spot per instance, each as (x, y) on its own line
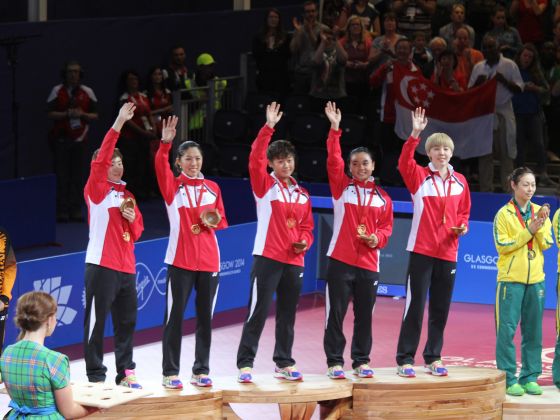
(404, 92)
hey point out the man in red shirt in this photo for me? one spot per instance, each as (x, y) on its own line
(71, 105)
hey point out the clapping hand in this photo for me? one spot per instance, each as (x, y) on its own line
(535, 224)
(169, 129)
(544, 211)
(333, 114)
(273, 114)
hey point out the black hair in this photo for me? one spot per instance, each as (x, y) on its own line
(280, 149)
(67, 64)
(401, 40)
(124, 77)
(360, 149)
(517, 173)
(448, 52)
(186, 145)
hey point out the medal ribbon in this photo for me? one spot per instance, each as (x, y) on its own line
(444, 199)
(289, 204)
(363, 209)
(192, 210)
(523, 222)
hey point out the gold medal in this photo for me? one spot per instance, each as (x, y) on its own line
(291, 222)
(126, 236)
(195, 229)
(531, 254)
(362, 229)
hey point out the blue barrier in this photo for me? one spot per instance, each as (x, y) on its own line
(63, 278)
(28, 210)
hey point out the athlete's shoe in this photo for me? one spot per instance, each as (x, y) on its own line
(406, 371)
(336, 372)
(532, 388)
(515, 390)
(290, 373)
(245, 376)
(172, 382)
(129, 380)
(364, 371)
(436, 368)
(201, 380)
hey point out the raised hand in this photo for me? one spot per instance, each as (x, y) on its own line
(296, 23)
(127, 111)
(333, 114)
(419, 121)
(169, 130)
(273, 114)
(544, 211)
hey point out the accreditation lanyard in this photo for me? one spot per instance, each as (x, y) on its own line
(444, 198)
(363, 209)
(192, 210)
(290, 216)
(523, 219)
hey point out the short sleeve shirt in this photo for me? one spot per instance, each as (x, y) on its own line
(31, 373)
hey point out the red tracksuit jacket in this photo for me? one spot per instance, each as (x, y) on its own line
(185, 249)
(107, 228)
(345, 246)
(274, 238)
(433, 197)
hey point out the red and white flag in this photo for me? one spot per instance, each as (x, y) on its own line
(466, 117)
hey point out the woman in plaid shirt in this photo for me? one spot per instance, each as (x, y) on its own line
(38, 379)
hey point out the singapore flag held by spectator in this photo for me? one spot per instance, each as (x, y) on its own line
(467, 117)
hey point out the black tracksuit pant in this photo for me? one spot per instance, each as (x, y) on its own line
(107, 291)
(269, 276)
(436, 276)
(343, 281)
(180, 284)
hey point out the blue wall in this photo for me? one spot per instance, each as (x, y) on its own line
(63, 277)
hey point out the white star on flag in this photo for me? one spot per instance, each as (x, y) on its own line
(426, 103)
(431, 94)
(414, 89)
(423, 86)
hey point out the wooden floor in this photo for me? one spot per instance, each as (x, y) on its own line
(465, 322)
(530, 407)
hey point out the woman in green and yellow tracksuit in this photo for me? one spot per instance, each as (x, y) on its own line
(556, 362)
(521, 234)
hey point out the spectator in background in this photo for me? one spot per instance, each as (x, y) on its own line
(421, 56)
(504, 138)
(457, 21)
(391, 145)
(161, 100)
(327, 81)
(556, 32)
(357, 45)
(508, 37)
(527, 14)
(369, 15)
(203, 76)
(136, 135)
(444, 74)
(527, 106)
(176, 74)
(550, 60)
(334, 14)
(414, 16)
(467, 56)
(383, 47)
(479, 13)
(303, 45)
(271, 50)
(441, 15)
(72, 106)
(437, 46)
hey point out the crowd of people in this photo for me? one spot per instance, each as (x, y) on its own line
(348, 56)
(363, 223)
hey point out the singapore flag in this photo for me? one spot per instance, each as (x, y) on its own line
(467, 117)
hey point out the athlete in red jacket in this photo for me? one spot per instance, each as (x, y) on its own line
(193, 256)
(363, 223)
(442, 206)
(284, 233)
(115, 223)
